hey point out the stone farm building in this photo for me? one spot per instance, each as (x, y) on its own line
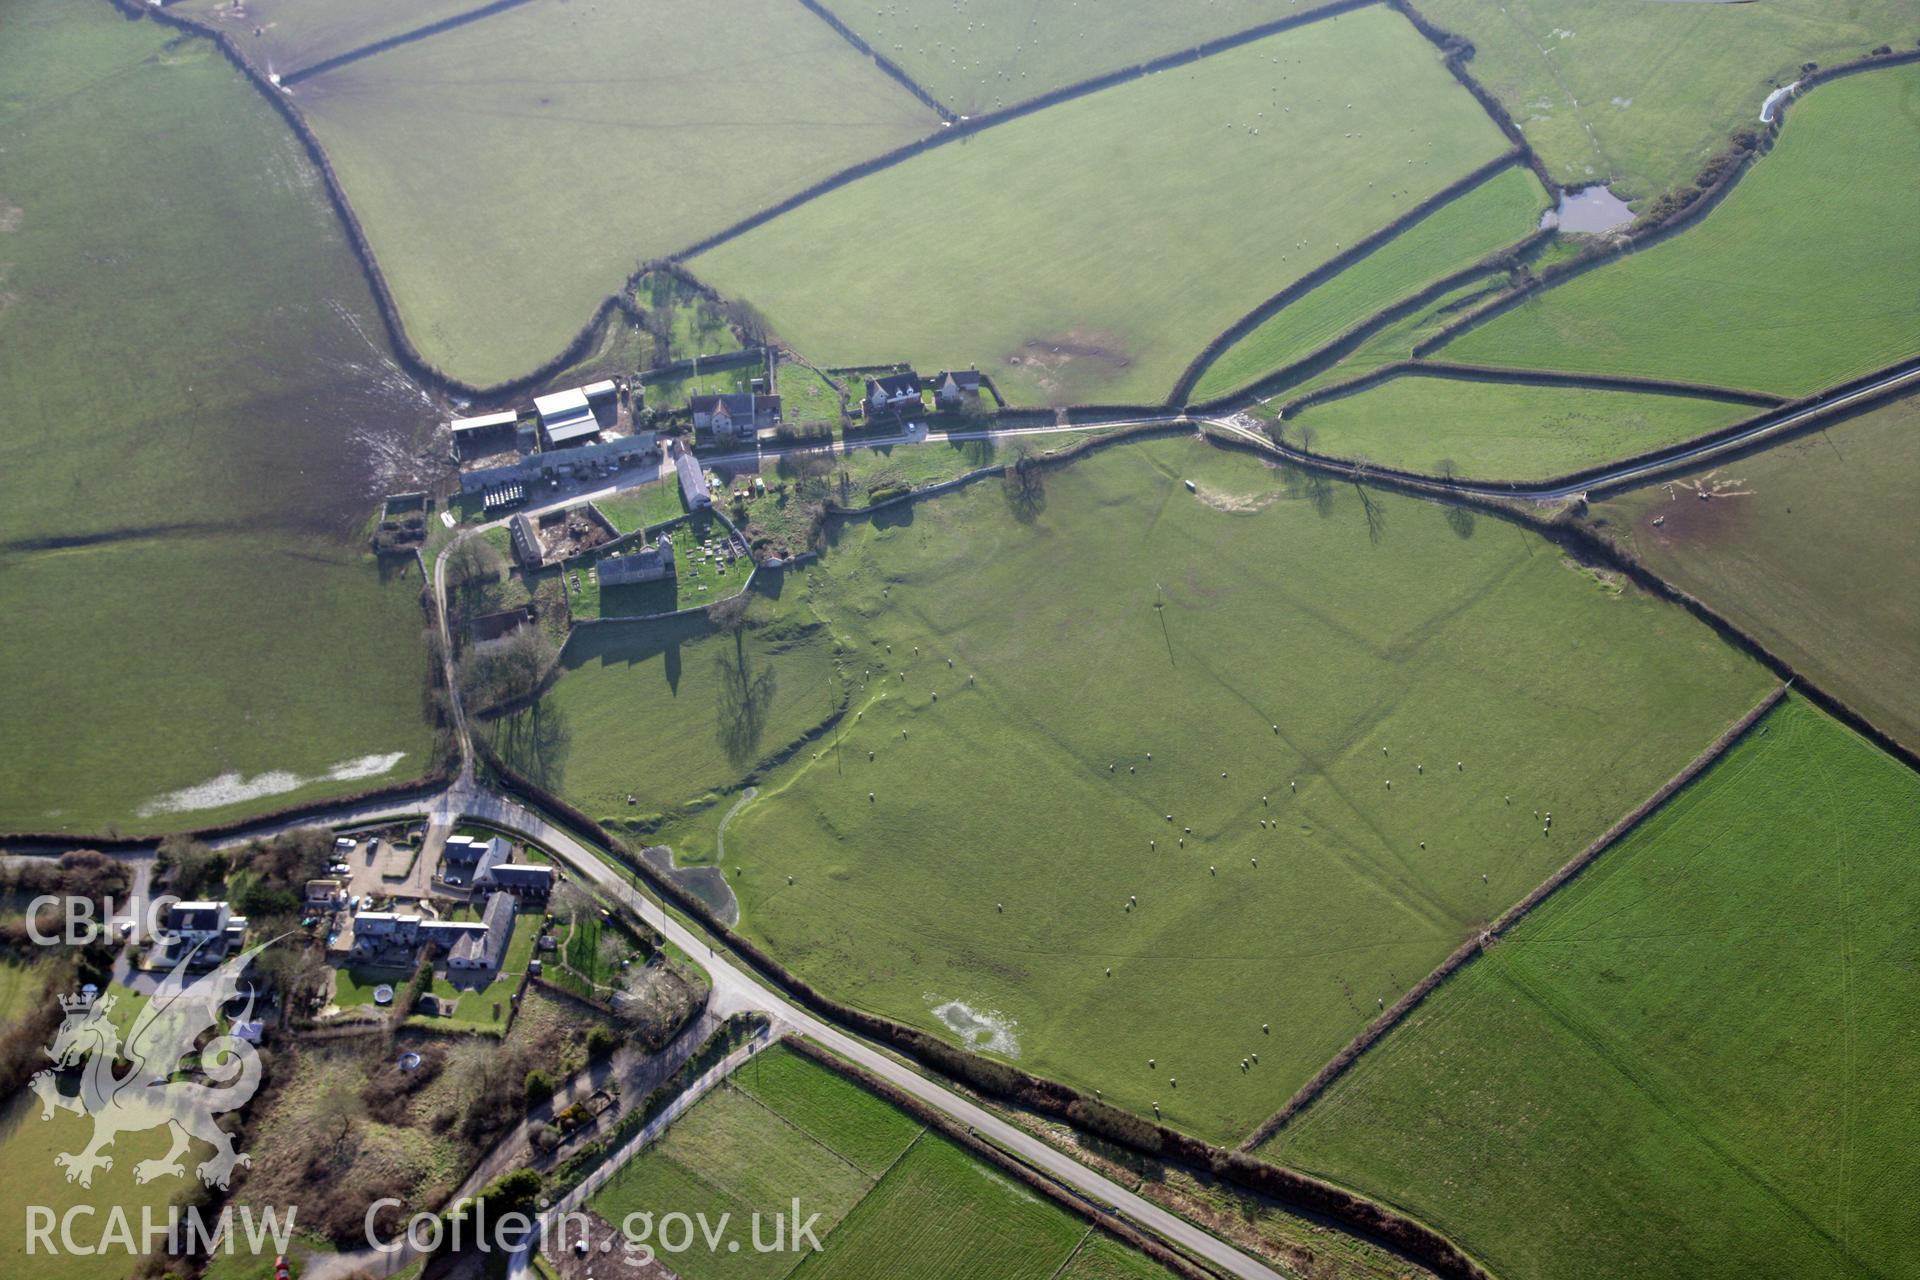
(738, 414)
(646, 564)
(206, 931)
(693, 478)
(486, 949)
(894, 393)
(956, 387)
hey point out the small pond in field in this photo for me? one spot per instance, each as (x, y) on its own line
(1588, 209)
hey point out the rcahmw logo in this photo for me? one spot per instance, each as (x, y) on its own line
(163, 1035)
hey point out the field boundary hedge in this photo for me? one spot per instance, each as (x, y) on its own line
(1364, 248)
(1568, 533)
(325, 65)
(1352, 1211)
(960, 1135)
(1458, 51)
(1675, 212)
(1372, 1033)
(886, 64)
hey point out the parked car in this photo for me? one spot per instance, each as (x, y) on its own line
(345, 844)
(339, 869)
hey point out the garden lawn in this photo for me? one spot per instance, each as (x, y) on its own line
(1501, 431)
(182, 555)
(975, 56)
(807, 396)
(1503, 209)
(513, 172)
(1693, 1060)
(1799, 279)
(1810, 550)
(488, 1008)
(1084, 253)
(974, 877)
(1641, 95)
(668, 711)
(655, 502)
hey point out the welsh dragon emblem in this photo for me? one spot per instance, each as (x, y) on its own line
(164, 1033)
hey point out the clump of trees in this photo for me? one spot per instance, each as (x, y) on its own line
(497, 673)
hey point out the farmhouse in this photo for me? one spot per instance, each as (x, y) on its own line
(731, 416)
(956, 387)
(209, 926)
(325, 895)
(567, 417)
(486, 948)
(894, 393)
(693, 478)
(467, 858)
(647, 564)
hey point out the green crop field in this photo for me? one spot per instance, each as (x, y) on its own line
(1085, 253)
(1696, 1059)
(892, 1200)
(1790, 285)
(295, 34)
(975, 875)
(666, 711)
(1500, 431)
(196, 629)
(1642, 95)
(1501, 210)
(512, 172)
(975, 56)
(1809, 547)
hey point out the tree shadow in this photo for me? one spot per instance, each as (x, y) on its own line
(745, 703)
(1314, 488)
(1375, 512)
(895, 516)
(536, 742)
(1025, 490)
(1460, 520)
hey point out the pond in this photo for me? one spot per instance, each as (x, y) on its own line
(1587, 210)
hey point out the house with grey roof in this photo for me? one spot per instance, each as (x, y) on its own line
(954, 388)
(522, 879)
(693, 478)
(734, 415)
(485, 950)
(206, 930)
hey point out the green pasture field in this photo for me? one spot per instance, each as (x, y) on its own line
(511, 173)
(182, 505)
(653, 503)
(295, 34)
(830, 1109)
(1796, 281)
(1500, 431)
(1810, 549)
(939, 1214)
(1693, 1060)
(976, 56)
(1643, 95)
(670, 710)
(1271, 627)
(1101, 1257)
(1084, 253)
(1503, 209)
(21, 987)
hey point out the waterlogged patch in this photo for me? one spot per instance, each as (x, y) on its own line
(233, 788)
(990, 1031)
(9, 216)
(1235, 503)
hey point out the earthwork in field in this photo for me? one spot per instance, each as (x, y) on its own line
(1026, 789)
(1809, 546)
(1641, 96)
(1788, 286)
(1602, 1092)
(1085, 253)
(512, 172)
(190, 602)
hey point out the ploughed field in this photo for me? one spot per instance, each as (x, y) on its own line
(511, 173)
(201, 411)
(1809, 546)
(892, 1198)
(1693, 1060)
(1304, 683)
(1085, 253)
(1796, 281)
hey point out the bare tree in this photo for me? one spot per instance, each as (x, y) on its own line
(750, 322)
(473, 565)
